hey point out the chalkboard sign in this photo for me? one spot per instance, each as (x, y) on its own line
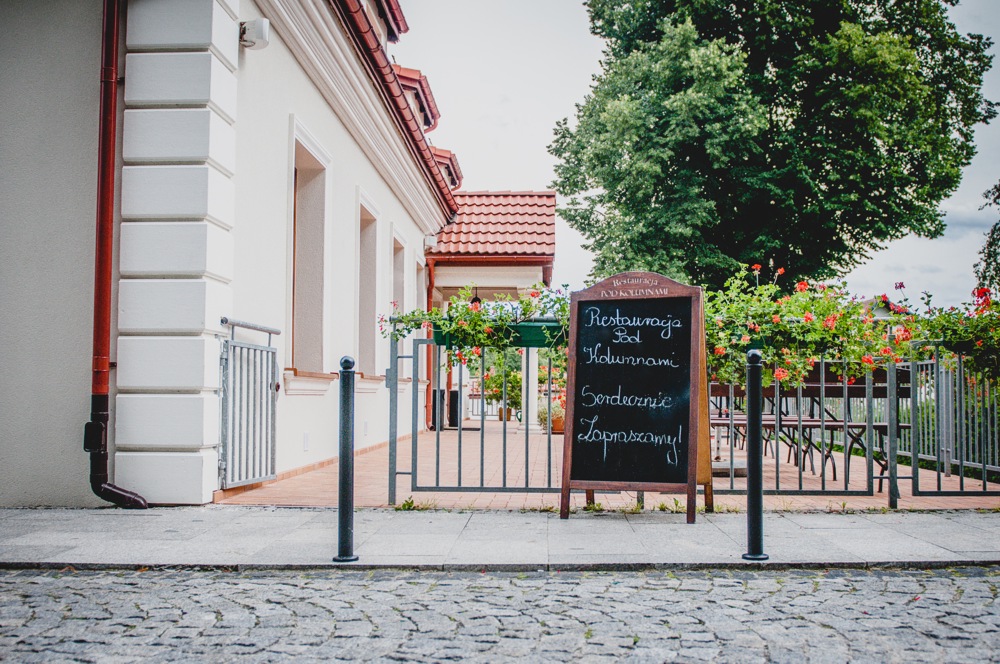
(634, 385)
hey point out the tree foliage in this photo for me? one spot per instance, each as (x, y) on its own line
(803, 132)
(988, 268)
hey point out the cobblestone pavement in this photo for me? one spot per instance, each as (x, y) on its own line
(737, 616)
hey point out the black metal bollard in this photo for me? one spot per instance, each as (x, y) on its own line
(755, 463)
(345, 504)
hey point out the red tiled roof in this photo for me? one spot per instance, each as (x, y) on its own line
(360, 28)
(449, 163)
(412, 79)
(392, 13)
(501, 224)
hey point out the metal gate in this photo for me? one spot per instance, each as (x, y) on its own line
(470, 454)
(249, 396)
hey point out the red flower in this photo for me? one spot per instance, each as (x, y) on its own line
(808, 317)
(781, 373)
(830, 322)
(488, 330)
(476, 351)
(886, 351)
(868, 359)
(719, 350)
(745, 338)
(802, 286)
(462, 323)
(755, 267)
(979, 343)
(475, 306)
(534, 293)
(775, 318)
(781, 271)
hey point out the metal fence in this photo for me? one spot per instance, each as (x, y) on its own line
(956, 419)
(843, 432)
(249, 397)
(926, 421)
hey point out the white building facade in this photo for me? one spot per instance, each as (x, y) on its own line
(283, 186)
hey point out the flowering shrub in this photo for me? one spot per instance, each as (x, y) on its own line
(558, 410)
(794, 330)
(493, 387)
(973, 331)
(472, 326)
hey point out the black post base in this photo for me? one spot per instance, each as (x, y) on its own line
(755, 556)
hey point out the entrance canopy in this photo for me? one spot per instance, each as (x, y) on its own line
(502, 241)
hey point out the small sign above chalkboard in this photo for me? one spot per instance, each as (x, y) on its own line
(634, 384)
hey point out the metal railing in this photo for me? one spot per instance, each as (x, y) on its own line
(922, 420)
(249, 399)
(956, 419)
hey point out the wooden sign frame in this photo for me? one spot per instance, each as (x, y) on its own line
(639, 286)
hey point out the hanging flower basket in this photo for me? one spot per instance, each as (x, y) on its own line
(534, 334)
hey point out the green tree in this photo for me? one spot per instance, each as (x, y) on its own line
(803, 132)
(988, 268)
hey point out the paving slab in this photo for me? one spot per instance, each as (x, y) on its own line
(227, 536)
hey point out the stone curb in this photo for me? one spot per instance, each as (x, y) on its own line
(507, 567)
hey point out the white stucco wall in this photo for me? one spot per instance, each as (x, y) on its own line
(49, 100)
(221, 243)
(277, 104)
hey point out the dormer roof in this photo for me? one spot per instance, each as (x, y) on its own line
(413, 81)
(395, 23)
(449, 166)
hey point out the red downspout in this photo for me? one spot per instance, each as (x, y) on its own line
(95, 439)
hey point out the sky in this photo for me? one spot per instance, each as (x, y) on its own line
(504, 72)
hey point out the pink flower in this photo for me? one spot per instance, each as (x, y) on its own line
(475, 306)
(745, 338)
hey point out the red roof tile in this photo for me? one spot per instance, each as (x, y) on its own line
(501, 224)
(392, 14)
(414, 81)
(361, 30)
(449, 164)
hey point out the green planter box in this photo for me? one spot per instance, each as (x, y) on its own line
(527, 335)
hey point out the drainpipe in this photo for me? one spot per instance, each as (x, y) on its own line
(95, 437)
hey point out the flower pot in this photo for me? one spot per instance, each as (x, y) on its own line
(505, 414)
(558, 423)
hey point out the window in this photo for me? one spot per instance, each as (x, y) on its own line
(309, 215)
(367, 281)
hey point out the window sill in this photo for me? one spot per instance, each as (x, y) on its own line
(312, 383)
